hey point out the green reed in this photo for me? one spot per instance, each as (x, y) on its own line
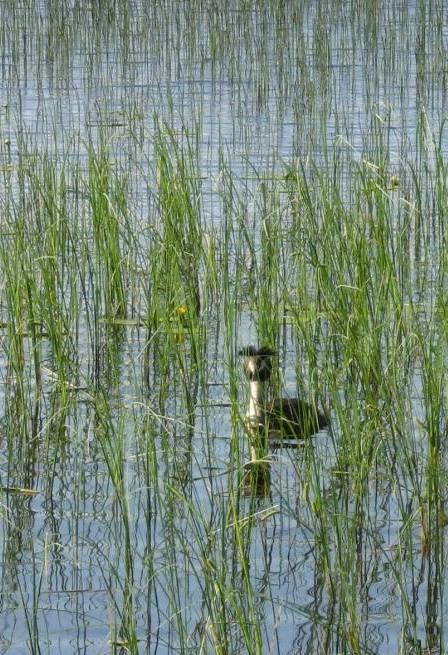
(326, 272)
(180, 215)
(112, 440)
(105, 193)
(119, 300)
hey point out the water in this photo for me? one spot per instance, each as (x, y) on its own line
(259, 86)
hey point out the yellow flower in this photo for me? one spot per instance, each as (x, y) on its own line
(181, 311)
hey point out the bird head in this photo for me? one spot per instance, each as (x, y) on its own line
(257, 363)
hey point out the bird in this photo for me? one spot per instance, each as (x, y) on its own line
(281, 419)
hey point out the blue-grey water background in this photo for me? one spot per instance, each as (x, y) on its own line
(259, 86)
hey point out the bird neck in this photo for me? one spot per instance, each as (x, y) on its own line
(255, 410)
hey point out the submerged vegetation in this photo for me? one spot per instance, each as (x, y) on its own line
(179, 180)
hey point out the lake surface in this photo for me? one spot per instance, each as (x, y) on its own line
(163, 169)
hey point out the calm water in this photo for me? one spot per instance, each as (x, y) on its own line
(258, 87)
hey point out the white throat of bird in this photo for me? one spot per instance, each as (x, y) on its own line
(255, 411)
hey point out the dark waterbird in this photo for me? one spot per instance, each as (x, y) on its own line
(280, 418)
